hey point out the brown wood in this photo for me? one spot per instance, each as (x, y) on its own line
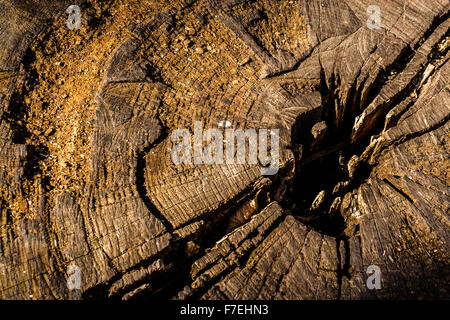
(364, 136)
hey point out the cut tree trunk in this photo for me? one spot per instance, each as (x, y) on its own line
(364, 152)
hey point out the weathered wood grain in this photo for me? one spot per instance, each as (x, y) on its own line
(364, 165)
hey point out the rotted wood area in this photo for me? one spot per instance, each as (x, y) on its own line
(88, 186)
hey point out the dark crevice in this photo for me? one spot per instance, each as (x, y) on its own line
(18, 110)
(140, 181)
(17, 114)
(343, 253)
(321, 170)
(398, 190)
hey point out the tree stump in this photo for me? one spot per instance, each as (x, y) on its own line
(92, 205)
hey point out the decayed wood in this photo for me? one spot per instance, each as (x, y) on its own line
(374, 100)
